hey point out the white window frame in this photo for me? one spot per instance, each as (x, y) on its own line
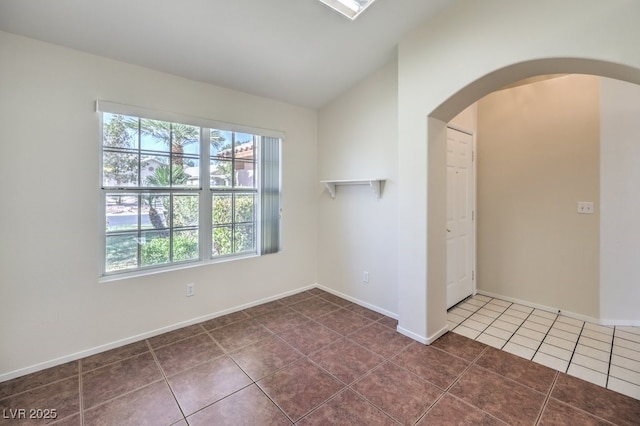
(205, 191)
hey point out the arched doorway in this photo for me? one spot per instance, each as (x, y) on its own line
(423, 310)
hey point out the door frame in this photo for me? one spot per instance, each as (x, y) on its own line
(474, 208)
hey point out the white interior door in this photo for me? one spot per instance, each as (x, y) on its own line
(460, 216)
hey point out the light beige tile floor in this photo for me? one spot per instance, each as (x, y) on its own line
(606, 356)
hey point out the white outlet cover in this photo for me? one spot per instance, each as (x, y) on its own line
(191, 289)
(585, 207)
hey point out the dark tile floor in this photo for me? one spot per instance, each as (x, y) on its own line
(309, 359)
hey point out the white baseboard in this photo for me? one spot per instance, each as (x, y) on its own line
(116, 344)
(551, 309)
(358, 302)
(619, 323)
(437, 335)
(421, 339)
(410, 334)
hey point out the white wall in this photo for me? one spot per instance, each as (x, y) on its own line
(469, 50)
(620, 202)
(52, 303)
(358, 135)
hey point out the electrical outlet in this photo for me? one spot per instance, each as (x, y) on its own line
(585, 207)
(191, 289)
(365, 276)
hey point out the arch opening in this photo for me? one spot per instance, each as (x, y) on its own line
(437, 122)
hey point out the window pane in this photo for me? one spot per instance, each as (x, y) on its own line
(122, 212)
(119, 169)
(121, 252)
(185, 172)
(244, 238)
(244, 175)
(119, 131)
(221, 209)
(156, 210)
(155, 171)
(154, 248)
(185, 139)
(178, 176)
(185, 210)
(221, 176)
(244, 146)
(185, 245)
(155, 135)
(220, 143)
(192, 171)
(222, 243)
(244, 207)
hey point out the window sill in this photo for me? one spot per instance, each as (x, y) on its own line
(171, 268)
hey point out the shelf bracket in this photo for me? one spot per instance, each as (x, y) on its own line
(331, 187)
(376, 186)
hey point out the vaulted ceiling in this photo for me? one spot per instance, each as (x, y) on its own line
(298, 51)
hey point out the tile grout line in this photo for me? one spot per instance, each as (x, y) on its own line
(180, 339)
(543, 339)
(255, 382)
(590, 357)
(166, 380)
(575, 347)
(496, 319)
(80, 387)
(536, 351)
(516, 331)
(454, 382)
(386, 359)
(472, 314)
(500, 316)
(509, 379)
(348, 387)
(547, 397)
(613, 339)
(118, 360)
(579, 409)
(303, 357)
(129, 392)
(492, 322)
(12, 395)
(461, 302)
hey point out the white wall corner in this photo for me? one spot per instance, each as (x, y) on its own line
(410, 334)
(359, 302)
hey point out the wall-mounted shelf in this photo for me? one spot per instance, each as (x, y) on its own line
(375, 184)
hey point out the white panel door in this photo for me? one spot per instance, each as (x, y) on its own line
(460, 216)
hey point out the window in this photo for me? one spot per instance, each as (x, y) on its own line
(233, 189)
(180, 191)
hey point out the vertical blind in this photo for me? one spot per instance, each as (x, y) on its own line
(270, 196)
